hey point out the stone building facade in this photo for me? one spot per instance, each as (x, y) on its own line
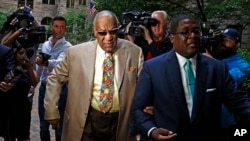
(44, 10)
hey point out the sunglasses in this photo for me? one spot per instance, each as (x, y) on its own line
(111, 32)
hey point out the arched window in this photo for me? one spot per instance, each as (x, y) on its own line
(46, 21)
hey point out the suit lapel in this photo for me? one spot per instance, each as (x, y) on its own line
(121, 63)
(200, 85)
(89, 59)
(173, 71)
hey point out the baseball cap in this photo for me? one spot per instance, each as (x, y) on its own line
(232, 33)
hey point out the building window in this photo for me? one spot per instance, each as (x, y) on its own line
(25, 3)
(70, 3)
(82, 2)
(46, 21)
(51, 2)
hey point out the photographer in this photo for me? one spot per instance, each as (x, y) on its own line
(155, 40)
(52, 53)
(238, 69)
(16, 24)
(19, 117)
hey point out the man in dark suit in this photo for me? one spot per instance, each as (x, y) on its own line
(6, 65)
(185, 110)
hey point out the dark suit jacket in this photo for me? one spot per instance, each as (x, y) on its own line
(6, 61)
(160, 85)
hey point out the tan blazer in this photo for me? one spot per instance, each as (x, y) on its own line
(78, 69)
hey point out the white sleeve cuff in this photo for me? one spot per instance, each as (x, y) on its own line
(150, 130)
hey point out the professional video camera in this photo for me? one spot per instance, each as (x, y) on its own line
(32, 36)
(137, 18)
(211, 35)
(24, 18)
(211, 38)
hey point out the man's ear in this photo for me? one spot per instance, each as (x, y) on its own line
(237, 45)
(171, 37)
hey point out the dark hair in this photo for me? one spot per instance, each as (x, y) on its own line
(59, 18)
(177, 19)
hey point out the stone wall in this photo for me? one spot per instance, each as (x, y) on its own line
(44, 10)
(246, 38)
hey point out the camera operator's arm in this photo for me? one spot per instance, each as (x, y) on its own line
(146, 34)
(10, 37)
(127, 36)
(35, 23)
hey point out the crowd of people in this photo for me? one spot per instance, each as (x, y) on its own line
(114, 89)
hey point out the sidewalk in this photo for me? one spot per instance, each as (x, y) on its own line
(34, 128)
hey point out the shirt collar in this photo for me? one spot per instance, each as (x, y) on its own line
(182, 60)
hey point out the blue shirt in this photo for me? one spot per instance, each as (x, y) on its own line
(57, 52)
(239, 70)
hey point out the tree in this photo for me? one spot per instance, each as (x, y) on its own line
(3, 19)
(216, 11)
(78, 26)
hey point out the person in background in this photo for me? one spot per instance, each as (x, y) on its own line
(155, 40)
(19, 105)
(101, 75)
(189, 107)
(238, 68)
(55, 48)
(7, 64)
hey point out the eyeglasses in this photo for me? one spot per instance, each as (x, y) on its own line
(188, 32)
(111, 32)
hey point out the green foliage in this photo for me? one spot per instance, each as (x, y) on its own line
(78, 26)
(3, 18)
(246, 55)
(222, 9)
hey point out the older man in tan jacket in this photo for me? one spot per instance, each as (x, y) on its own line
(85, 116)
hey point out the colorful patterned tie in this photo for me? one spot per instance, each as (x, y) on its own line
(107, 88)
(190, 78)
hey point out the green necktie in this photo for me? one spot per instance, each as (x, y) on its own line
(190, 78)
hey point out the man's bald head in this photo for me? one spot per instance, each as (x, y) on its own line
(105, 13)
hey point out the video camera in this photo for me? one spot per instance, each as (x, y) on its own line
(32, 36)
(24, 17)
(137, 18)
(211, 38)
(44, 57)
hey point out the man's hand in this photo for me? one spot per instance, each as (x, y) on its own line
(149, 110)
(146, 34)
(54, 123)
(127, 36)
(160, 134)
(5, 86)
(40, 63)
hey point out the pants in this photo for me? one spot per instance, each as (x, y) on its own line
(44, 125)
(100, 126)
